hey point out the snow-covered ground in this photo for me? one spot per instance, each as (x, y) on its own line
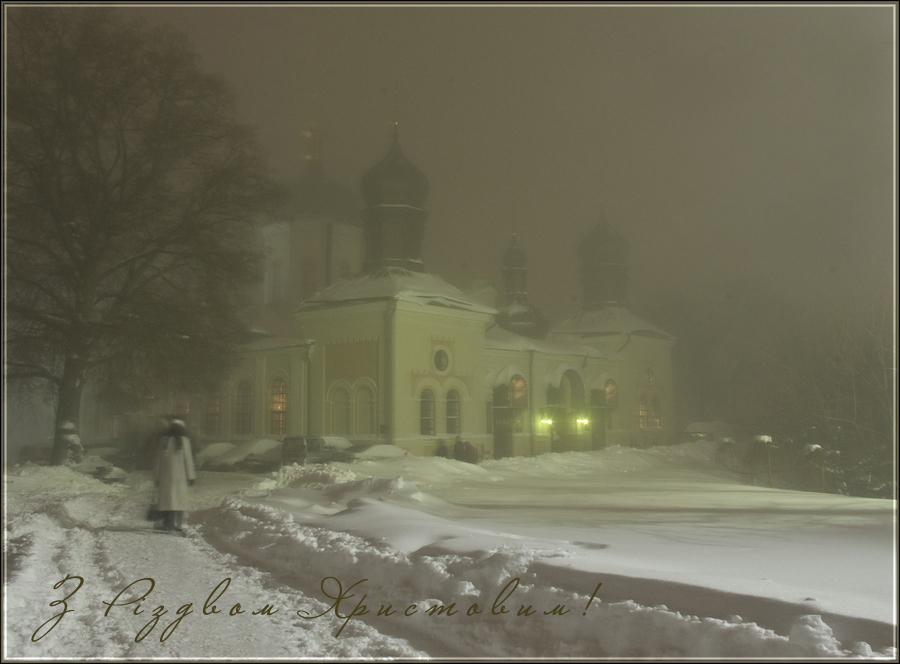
(621, 553)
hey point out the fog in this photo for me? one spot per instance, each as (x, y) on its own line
(721, 142)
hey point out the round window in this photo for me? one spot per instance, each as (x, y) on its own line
(441, 361)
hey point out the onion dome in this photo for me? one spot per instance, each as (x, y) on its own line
(604, 245)
(394, 181)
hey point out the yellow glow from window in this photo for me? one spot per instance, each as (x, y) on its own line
(582, 421)
(545, 421)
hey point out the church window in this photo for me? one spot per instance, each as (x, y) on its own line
(441, 360)
(612, 394)
(611, 400)
(243, 409)
(211, 417)
(649, 375)
(518, 402)
(655, 412)
(642, 412)
(278, 408)
(453, 426)
(340, 412)
(365, 412)
(426, 413)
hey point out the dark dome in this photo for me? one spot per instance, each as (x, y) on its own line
(514, 256)
(394, 181)
(604, 245)
(314, 195)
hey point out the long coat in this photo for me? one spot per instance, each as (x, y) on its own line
(174, 468)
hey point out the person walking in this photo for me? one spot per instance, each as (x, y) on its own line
(174, 472)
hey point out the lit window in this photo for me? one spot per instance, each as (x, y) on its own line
(612, 394)
(243, 409)
(654, 412)
(278, 408)
(518, 402)
(426, 413)
(642, 412)
(453, 426)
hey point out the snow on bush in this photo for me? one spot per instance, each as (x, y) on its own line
(315, 476)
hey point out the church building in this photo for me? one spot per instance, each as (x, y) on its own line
(365, 343)
(356, 338)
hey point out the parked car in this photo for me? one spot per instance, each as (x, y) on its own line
(315, 449)
(253, 455)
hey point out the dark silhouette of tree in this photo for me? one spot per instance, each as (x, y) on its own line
(132, 195)
(807, 374)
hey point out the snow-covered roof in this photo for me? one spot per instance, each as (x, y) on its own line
(609, 320)
(395, 283)
(497, 337)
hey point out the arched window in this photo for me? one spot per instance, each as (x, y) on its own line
(211, 419)
(518, 402)
(453, 422)
(243, 408)
(655, 412)
(365, 412)
(340, 412)
(642, 412)
(278, 408)
(426, 413)
(611, 396)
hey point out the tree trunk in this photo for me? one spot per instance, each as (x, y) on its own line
(66, 442)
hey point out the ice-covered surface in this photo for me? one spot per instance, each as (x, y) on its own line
(692, 562)
(396, 284)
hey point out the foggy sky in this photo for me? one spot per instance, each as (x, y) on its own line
(721, 141)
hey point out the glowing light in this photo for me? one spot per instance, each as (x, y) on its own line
(546, 421)
(583, 421)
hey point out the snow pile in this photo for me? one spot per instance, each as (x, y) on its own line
(619, 553)
(617, 459)
(48, 481)
(371, 576)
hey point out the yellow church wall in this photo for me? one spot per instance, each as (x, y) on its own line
(348, 352)
(420, 332)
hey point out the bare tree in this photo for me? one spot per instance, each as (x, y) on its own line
(131, 201)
